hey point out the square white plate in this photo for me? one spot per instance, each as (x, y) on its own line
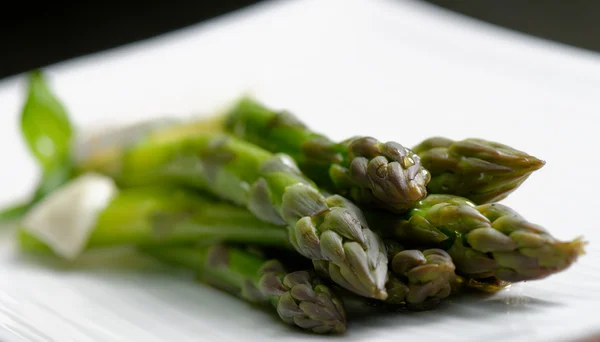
(398, 70)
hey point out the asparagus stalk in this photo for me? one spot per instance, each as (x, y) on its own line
(159, 215)
(480, 170)
(272, 188)
(154, 216)
(369, 172)
(489, 240)
(299, 297)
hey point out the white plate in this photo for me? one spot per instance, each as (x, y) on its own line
(398, 70)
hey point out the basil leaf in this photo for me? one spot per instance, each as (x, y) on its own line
(52, 179)
(48, 134)
(15, 212)
(45, 124)
(55, 176)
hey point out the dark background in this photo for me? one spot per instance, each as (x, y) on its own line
(34, 35)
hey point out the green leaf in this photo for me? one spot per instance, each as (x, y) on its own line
(52, 179)
(55, 176)
(14, 212)
(48, 134)
(45, 124)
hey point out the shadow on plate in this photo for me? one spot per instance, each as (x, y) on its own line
(473, 307)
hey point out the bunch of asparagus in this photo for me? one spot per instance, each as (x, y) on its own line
(332, 221)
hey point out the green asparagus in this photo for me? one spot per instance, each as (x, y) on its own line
(489, 240)
(429, 274)
(415, 277)
(159, 215)
(272, 188)
(299, 297)
(154, 216)
(369, 172)
(453, 239)
(477, 169)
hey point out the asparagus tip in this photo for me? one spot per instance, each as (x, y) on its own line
(576, 247)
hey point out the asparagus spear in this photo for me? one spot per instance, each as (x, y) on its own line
(159, 215)
(370, 172)
(429, 274)
(299, 297)
(416, 277)
(480, 170)
(155, 216)
(272, 188)
(418, 280)
(489, 240)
